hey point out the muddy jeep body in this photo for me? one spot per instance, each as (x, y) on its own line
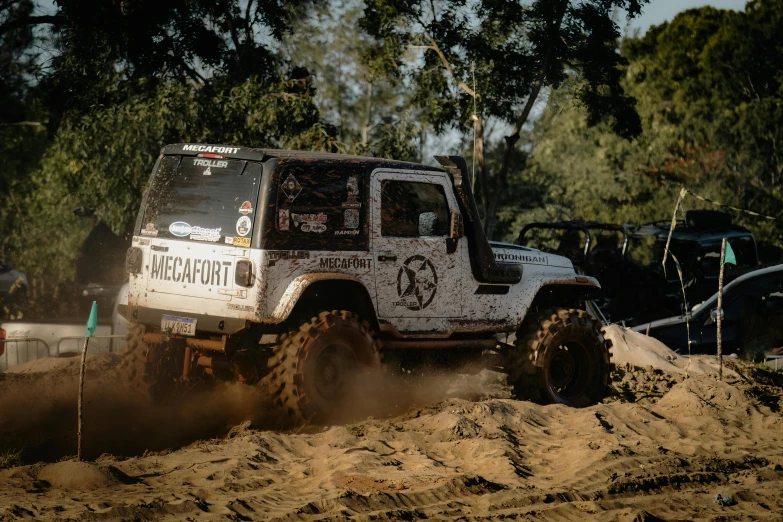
(278, 237)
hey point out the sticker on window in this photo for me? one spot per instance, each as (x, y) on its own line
(180, 229)
(208, 172)
(291, 188)
(284, 220)
(351, 218)
(318, 228)
(238, 241)
(243, 226)
(149, 230)
(352, 187)
(309, 218)
(246, 208)
(205, 234)
(201, 162)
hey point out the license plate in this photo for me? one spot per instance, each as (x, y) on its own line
(178, 325)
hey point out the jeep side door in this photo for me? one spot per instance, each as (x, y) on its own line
(416, 276)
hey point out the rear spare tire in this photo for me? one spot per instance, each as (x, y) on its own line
(315, 367)
(561, 357)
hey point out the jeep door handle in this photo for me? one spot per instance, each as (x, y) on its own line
(387, 258)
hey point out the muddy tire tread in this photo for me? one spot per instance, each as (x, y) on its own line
(285, 378)
(524, 362)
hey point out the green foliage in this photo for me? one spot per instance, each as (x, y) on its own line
(109, 49)
(369, 112)
(708, 90)
(514, 46)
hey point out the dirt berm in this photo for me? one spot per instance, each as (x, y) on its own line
(662, 447)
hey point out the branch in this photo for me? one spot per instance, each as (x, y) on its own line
(448, 65)
(231, 28)
(247, 21)
(23, 123)
(31, 20)
(434, 47)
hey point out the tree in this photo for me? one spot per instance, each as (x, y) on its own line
(517, 50)
(370, 113)
(707, 85)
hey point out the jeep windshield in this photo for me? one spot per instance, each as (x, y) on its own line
(202, 199)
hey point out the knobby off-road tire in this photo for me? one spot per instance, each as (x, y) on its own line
(561, 357)
(134, 354)
(315, 366)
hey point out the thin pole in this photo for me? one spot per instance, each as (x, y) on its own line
(720, 308)
(671, 229)
(81, 395)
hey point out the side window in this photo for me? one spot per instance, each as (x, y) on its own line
(412, 209)
(318, 207)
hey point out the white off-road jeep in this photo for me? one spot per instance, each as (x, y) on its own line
(301, 269)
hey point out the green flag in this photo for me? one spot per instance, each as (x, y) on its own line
(92, 322)
(729, 258)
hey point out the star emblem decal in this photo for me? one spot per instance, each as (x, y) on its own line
(418, 280)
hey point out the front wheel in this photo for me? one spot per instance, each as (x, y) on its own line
(562, 357)
(314, 368)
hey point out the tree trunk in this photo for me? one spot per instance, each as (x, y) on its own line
(368, 116)
(511, 141)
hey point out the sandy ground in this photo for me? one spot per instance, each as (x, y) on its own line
(456, 446)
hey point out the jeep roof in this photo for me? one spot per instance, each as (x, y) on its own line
(259, 154)
(660, 229)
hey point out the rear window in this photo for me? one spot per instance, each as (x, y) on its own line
(201, 199)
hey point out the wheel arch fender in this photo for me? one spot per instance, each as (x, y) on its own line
(564, 291)
(310, 292)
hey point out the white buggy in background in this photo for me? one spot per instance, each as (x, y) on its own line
(300, 269)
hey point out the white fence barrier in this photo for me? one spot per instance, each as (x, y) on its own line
(21, 351)
(775, 361)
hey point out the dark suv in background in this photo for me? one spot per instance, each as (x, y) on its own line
(627, 260)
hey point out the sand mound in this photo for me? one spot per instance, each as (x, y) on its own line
(455, 460)
(636, 349)
(82, 476)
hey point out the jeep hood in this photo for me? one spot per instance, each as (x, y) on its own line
(508, 253)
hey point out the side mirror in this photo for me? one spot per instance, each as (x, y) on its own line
(456, 227)
(428, 224)
(714, 316)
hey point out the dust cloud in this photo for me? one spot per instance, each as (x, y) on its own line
(38, 406)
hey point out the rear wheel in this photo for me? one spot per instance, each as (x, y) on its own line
(134, 357)
(562, 357)
(157, 368)
(314, 368)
